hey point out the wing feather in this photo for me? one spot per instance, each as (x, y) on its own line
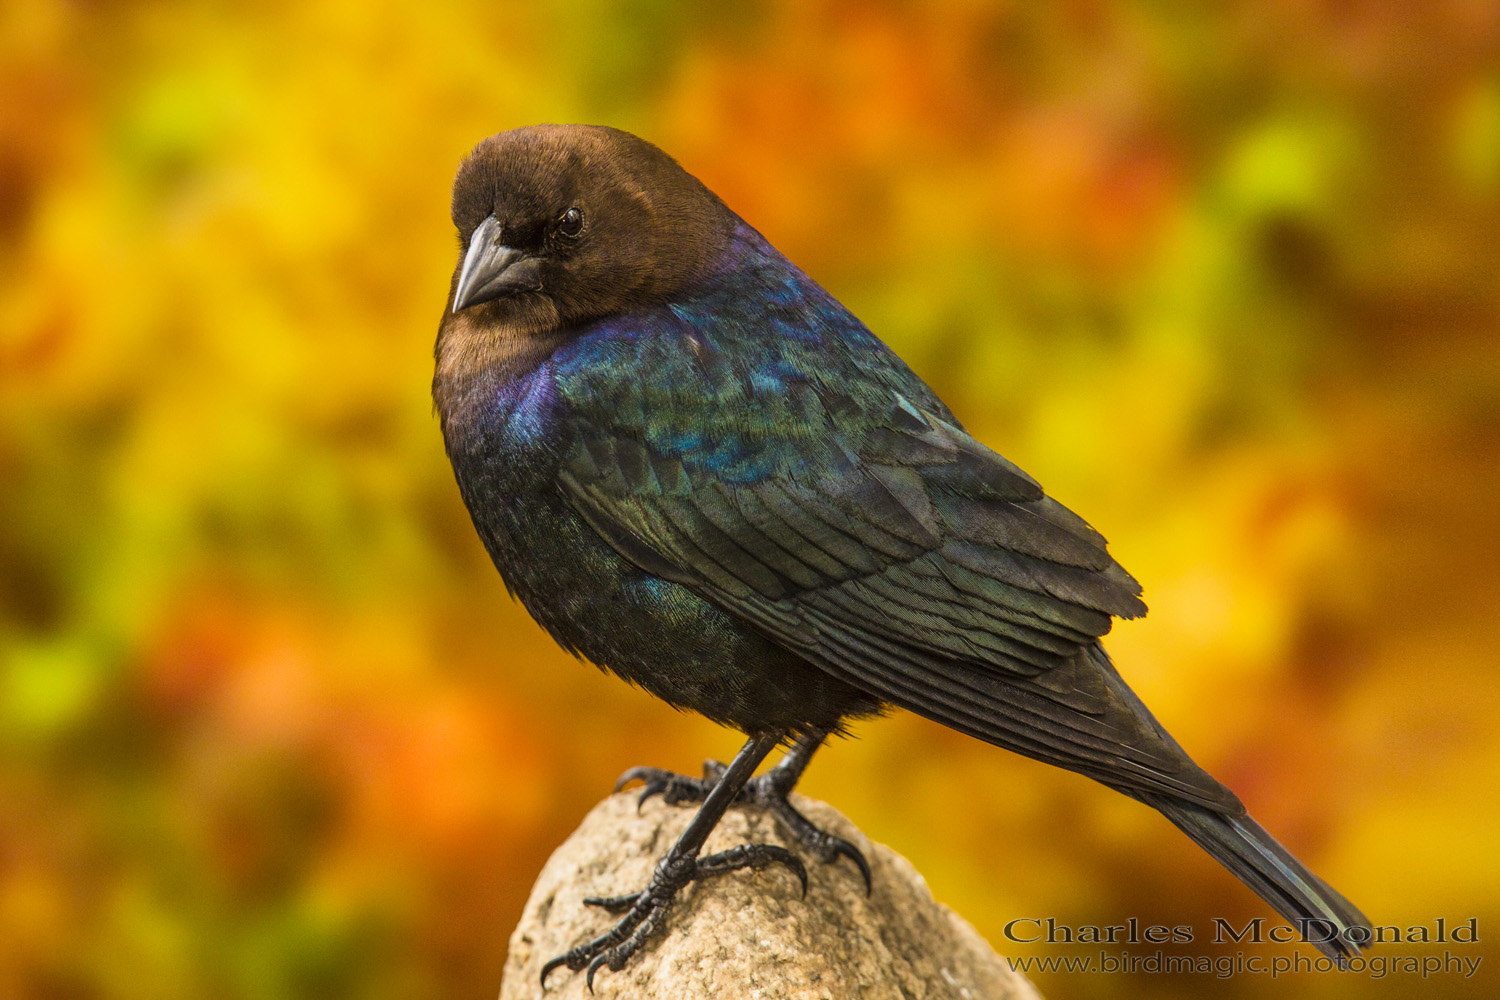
(861, 527)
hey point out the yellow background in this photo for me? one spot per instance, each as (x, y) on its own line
(1225, 277)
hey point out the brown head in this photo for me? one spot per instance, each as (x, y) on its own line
(559, 225)
(589, 220)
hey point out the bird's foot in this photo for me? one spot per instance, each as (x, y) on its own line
(642, 911)
(675, 789)
(769, 790)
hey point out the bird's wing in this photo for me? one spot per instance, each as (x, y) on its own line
(872, 535)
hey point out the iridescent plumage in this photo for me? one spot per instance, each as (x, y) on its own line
(717, 483)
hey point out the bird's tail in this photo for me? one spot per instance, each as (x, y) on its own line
(1323, 917)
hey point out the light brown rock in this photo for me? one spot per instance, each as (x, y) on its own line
(751, 935)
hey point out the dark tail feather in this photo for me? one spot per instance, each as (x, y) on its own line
(1325, 919)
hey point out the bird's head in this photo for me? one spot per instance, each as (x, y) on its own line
(562, 224)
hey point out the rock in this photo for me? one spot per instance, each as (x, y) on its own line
(751, 934)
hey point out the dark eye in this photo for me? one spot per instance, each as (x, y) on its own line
(571, 223)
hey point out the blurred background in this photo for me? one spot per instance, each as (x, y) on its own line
(1224, 277)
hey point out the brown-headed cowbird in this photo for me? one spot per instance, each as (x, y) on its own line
(697, 469)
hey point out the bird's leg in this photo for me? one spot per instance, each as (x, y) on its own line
(643, 910)
(769, 790)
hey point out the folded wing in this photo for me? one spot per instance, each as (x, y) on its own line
(887, 546)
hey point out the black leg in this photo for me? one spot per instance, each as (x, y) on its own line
(642, 910)
(769, 790)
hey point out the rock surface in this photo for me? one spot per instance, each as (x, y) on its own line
(751, 934)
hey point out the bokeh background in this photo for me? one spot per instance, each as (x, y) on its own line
(1225, 277)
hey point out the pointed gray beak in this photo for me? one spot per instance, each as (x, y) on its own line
(491, 269)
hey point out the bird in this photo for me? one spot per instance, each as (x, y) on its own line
(699, 471)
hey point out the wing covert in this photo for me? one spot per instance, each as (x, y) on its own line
(874, 513)
(816, 488)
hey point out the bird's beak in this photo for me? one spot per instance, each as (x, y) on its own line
(491, 269)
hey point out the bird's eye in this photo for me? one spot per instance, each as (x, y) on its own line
(571, 223)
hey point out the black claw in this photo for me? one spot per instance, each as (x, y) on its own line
(826, 846)
(842, 847)
(613, 904)
(555, 963)
(796, 865)
(598, 961)
(634, 774)
(655, 779)
(674, 788)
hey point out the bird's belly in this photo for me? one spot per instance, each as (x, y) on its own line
(650, 631)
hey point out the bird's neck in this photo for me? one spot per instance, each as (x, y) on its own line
(479, 353)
